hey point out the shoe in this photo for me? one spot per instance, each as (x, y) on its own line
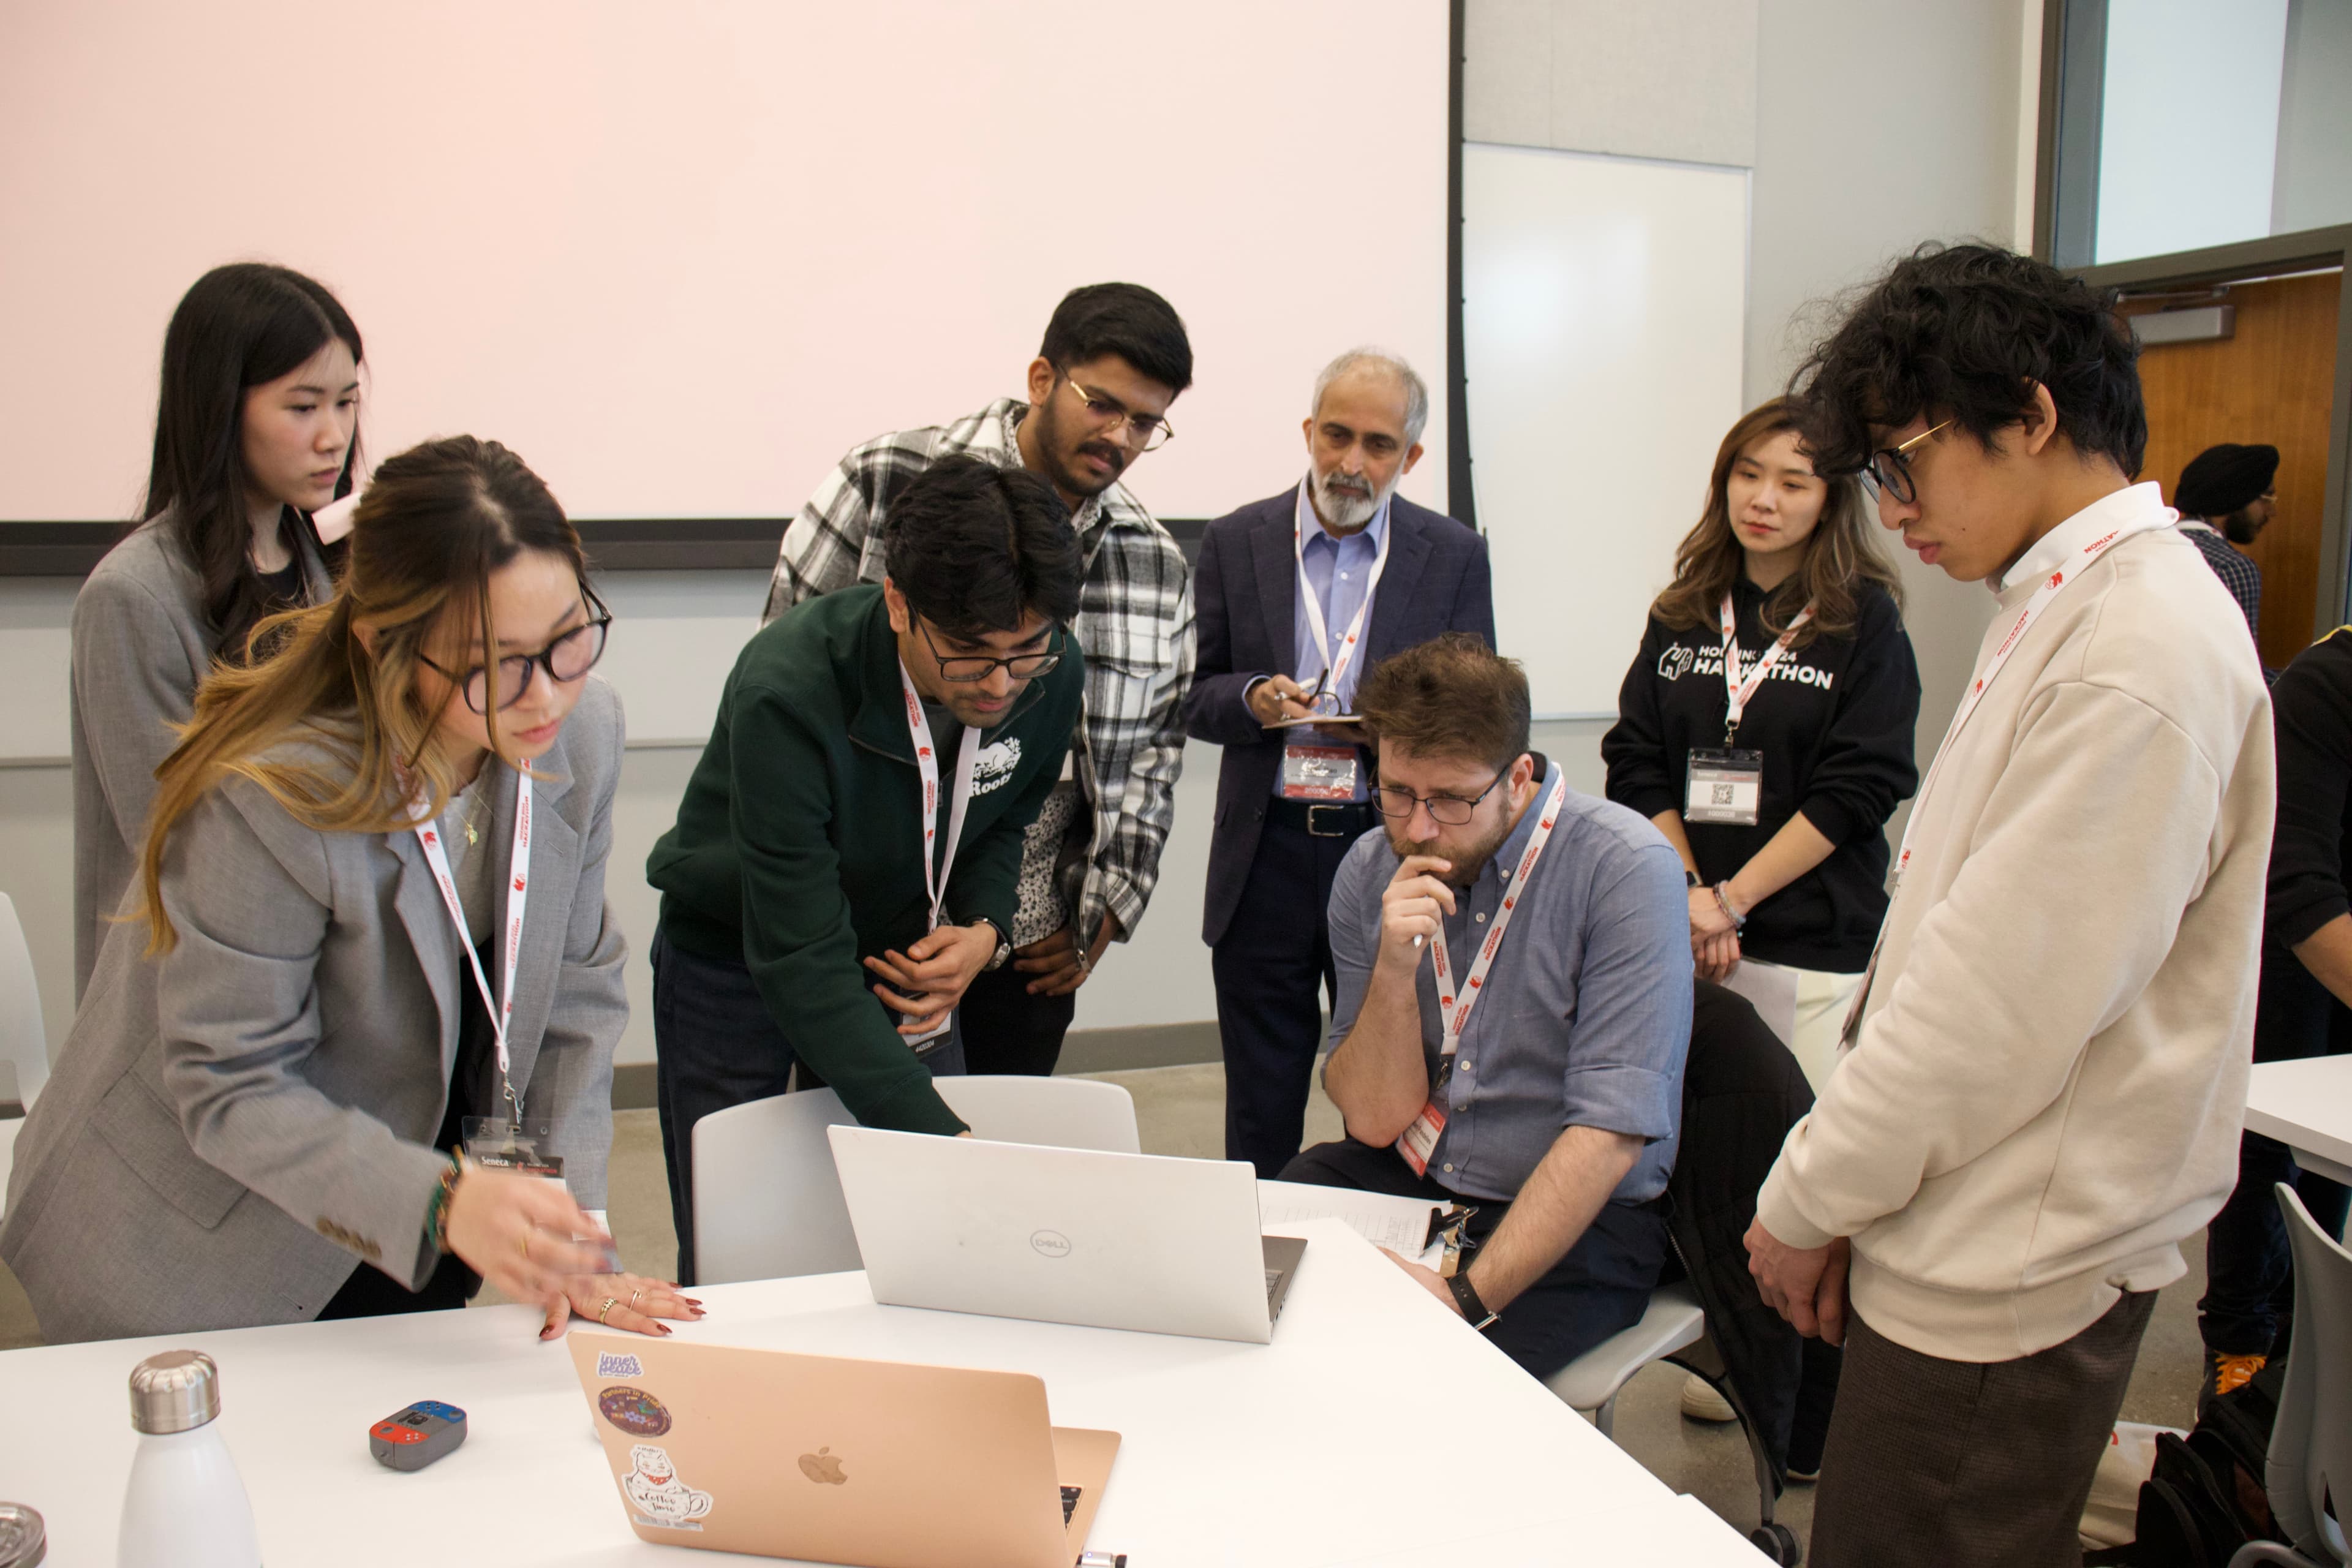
(1801, 1478)
(1702, 1403)
(2228, 1373)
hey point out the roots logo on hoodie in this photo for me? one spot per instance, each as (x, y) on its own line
(994, 765)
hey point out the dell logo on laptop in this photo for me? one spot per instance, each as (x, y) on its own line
(1050, 1243)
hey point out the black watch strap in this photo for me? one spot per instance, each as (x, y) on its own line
(1004, 945)
(1474, 1311)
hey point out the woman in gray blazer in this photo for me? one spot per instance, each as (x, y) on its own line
(366, 852)
(255, 428)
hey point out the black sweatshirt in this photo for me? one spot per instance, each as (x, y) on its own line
(2311, 851)
(1835, 722)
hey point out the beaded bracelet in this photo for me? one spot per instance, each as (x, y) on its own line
(437, 1213)
(1723, 901)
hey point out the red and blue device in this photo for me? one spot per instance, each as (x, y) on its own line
(417, 1435)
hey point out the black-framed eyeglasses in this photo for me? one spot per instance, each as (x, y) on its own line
(566, 659)
(978, 666)
(1889, 468)
(1148, 431)
(1446, 810)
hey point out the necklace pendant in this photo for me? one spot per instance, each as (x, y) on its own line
(472, 836)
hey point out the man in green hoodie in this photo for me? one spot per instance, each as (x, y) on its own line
(845, 854)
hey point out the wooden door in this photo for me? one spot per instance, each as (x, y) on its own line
(2272, 383)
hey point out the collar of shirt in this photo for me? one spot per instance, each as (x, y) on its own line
(2063, 543)
(1371, 534)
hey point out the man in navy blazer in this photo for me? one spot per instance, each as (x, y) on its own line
(1382, 575)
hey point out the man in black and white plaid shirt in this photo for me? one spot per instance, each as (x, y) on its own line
(1115, 356)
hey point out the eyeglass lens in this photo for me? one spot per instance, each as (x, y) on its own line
(1022, 668)
(567, 658)
(1446, 810)
(1148, 431)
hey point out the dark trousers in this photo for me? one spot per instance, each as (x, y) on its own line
(1273, 970)
(2249, 1270)
(716, 1046)
(1599, 1289)
(1006, 1030)
(1967, 1463)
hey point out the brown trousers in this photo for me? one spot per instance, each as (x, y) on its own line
(1964, 1463)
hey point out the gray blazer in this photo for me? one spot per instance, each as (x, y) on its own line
(141, 644)
(234, 1127)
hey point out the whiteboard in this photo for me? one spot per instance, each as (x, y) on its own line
(682, 257)
(1604, 309)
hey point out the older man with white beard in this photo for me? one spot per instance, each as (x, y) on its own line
(1297, 596)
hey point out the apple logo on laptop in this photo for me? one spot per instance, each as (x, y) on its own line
(1050, 1243)
(823, 1468)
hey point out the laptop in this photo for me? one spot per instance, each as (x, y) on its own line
(879, 1463)
(1063, 1235)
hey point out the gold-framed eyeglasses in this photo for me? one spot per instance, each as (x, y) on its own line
(1145, 432)
(964, 668)
(1889, 468)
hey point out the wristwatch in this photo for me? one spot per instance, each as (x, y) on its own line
(1474, 1311)
(1004, 946)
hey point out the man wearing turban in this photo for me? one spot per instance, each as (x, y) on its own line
(2225, 499)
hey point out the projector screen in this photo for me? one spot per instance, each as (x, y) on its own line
(680, 258)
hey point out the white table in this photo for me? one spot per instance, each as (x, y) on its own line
(1311, 1451)
(2307, 1106)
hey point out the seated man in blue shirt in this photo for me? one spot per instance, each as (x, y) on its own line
(1514, 1006)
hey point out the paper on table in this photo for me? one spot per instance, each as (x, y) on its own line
(1401, 1224)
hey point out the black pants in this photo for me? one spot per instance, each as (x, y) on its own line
(1006, 1030)
(1273, 970)
(1599, 1289)
(1962, 1464)
(717, 1046)
(2249, 1270)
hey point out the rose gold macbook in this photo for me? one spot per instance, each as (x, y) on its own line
(880, 1464)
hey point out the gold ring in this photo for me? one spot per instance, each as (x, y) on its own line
(522, 1245)
(610, 1302)
(632, 1296)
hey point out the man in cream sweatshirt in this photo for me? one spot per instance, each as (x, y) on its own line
(2042, 1090)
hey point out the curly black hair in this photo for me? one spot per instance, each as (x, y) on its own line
(1963, 332)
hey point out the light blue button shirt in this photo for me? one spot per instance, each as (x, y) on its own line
(1339, 573)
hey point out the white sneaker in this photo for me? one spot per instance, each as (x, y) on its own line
(1702, 1403)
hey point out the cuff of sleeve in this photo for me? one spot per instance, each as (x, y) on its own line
(1633, 1100)
(2295, 927)
(1777, 1211)
(914, 1106)
(1830, 818)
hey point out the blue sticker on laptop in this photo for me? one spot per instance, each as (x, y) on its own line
(610, 1366)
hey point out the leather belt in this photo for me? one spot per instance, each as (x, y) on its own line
(1321, 819)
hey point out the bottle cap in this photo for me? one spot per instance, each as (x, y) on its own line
(176, 1390)
(23, 1538)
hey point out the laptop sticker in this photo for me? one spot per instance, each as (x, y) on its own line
(611, 1365)
(662, 1500)
(634, 1411)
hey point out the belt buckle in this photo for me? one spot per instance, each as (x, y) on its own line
(1314, 831)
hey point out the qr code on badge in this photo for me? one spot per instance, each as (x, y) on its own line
(1722, 794)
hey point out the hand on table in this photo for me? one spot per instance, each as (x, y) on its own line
(635, 1304)
(1805, 1285)
(929, 978)
(1059, 967)
(1428, 1279)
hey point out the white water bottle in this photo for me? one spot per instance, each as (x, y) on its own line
(186, 1506)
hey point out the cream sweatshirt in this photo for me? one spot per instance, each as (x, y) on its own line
(2046, 1091)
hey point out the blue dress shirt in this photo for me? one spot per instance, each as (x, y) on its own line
(1339, 573)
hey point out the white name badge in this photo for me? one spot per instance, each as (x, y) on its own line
(1318, 772)
(1725, 787)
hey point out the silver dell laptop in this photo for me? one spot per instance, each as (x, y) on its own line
(1063, 1235)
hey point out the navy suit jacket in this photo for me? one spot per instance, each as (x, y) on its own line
(1245, 595)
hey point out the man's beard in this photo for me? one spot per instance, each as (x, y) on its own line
(1345, 504)
(1066, 475)
(2240, 528)
(1468, 861)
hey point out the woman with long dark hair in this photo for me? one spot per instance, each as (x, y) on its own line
(371, 922)
(255, 428)
(1766, 728)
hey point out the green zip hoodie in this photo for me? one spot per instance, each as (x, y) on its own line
(798, 850)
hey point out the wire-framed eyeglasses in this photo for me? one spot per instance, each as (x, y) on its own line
(1446, 810)
(1147, 432)
(1889, 468)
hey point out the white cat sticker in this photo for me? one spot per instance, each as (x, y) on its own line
(661, 1498)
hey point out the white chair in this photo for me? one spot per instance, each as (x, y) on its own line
(1589, 1383)
(24, 1042)
(2311, 1443)
(766, 1200)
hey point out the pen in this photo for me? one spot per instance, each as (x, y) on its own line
(1316, 695)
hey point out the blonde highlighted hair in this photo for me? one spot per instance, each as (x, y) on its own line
(434, 523)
